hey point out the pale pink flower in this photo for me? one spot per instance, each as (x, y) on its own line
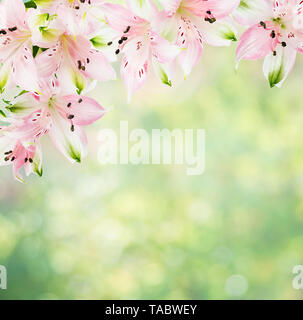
(139, 43)
(275, 33)
(75, 62)
(16, 47)
(20, 155)
(192, 23)
(77, 16)
(31, 116)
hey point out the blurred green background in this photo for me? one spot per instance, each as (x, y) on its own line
(152, 232)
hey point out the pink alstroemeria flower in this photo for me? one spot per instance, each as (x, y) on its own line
(75, 62)
(191, 23)
(275, 33)
(16, 47)
(75, 15)
(139, 43)
(20, 154)
(61, 116)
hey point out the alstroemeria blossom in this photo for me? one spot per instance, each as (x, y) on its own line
(15, 47)
(139, 43)
(20, 154)
(31, 116)
(191, 23)
(75, 62)
(275, 33)
(77, 16)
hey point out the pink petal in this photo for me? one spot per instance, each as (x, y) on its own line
(253, 11)
(120, 18)
(14, 12)
(83, 110)
(134, 66)
(170, 6)
(256, 43)
(72, 143)
(219, 9)
(49, 61)
(24, 69)
(163, 50)
(191, 40)
(98, 67)
(93, 63)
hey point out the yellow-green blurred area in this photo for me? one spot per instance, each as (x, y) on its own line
(95, 231)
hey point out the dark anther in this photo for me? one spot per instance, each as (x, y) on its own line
(117, 51)
(127, 29)
(263, 24)
(69, 104)
(273, 34)
(80, 100)
(210, 20)
(70, 117)
(30, 160)
(283, 44)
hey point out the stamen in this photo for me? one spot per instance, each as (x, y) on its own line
(263, 24)
(127, 29)
(12, 29)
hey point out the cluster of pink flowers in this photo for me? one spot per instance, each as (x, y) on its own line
(52, 52)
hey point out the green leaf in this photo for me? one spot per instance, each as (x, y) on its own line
(30, 4)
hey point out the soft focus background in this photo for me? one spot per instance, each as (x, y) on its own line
(152, 232)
